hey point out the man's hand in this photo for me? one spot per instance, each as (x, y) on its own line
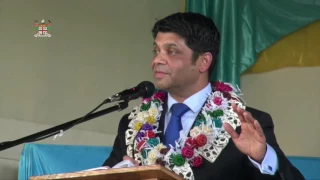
(251, 141)
(132, 160)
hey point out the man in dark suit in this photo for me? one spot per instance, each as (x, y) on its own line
(187, 126)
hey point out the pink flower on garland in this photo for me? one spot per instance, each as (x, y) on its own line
(146, 100)
(209, 105)
(160, 96)
(187, 152)
(220, 86)
(217, 101)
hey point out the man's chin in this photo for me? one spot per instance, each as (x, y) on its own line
(161, 84)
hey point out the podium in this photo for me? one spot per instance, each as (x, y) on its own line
(153, 172)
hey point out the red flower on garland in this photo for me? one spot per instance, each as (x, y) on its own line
(150, 134)
(164, 151)
(220, 86)
(141, 145)
(226, 95)
(201, 140)
(192, 143)
(160, 96)
(197, 161)
(146, 100)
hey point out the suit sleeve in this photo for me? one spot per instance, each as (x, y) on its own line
(286, 171)
(119, 147)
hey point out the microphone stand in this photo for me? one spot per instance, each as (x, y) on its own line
(62, 127)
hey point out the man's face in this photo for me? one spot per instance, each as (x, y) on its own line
(172, 63)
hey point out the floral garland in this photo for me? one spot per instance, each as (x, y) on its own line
(188, 151)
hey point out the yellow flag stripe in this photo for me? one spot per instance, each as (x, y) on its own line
(298, 49)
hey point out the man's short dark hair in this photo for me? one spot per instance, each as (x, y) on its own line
(199, 32)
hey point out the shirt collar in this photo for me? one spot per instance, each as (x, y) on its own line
(194, 102)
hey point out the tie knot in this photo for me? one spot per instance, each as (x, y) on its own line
(179, 109)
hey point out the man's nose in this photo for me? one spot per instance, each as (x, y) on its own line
(159, 59)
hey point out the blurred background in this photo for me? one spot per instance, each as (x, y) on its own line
(101, 47)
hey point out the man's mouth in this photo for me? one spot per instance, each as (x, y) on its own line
(159, 74)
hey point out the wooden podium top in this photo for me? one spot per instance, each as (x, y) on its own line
(154, 172)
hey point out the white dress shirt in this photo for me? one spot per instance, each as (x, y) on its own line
(195, 102)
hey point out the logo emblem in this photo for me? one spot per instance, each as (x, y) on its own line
(42, 29)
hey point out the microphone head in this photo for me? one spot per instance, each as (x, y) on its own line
(148, 89)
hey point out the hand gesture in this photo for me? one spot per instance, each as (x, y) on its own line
(136, 163)
(251, 141)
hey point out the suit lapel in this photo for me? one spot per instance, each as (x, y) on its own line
(197, 117)
(162, 119)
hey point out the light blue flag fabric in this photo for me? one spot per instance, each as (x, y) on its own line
(43, 159)
(308, 166)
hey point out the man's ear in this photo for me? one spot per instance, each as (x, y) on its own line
(205, 62)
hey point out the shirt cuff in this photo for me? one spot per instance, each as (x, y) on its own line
(269, 164)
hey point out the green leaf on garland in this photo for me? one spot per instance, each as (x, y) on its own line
(217, 122)
(145, 107)
(216, 113)
(156, 102)
(178, 160)
(144, 153)
(200, 121)
(153, 142)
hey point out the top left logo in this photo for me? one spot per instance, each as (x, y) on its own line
(42, 28)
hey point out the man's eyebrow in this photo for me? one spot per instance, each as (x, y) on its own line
(167, 45)
(171, 45)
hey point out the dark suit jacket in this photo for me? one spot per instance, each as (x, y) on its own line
(231, 164)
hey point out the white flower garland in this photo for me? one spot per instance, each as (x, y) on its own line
(207, 137)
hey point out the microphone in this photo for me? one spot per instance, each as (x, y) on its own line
(144, 89)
